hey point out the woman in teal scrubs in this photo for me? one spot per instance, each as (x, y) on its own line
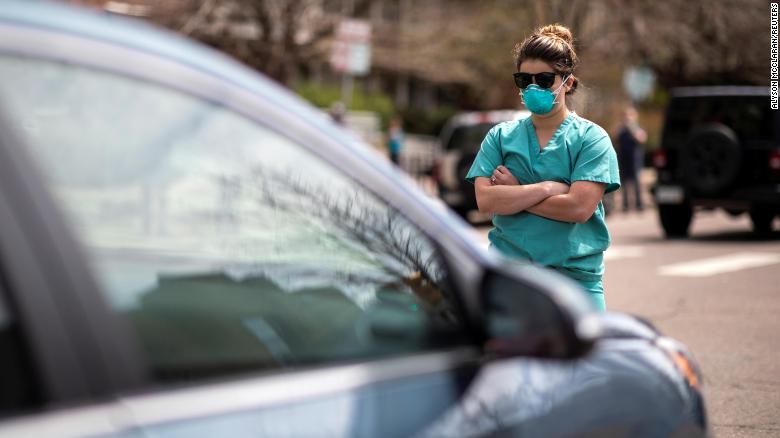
(543, 177)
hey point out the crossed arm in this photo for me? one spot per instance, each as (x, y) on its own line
(549, 199)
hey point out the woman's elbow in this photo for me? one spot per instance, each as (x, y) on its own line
(484, 203)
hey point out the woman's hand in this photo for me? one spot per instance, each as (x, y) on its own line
(503, 177)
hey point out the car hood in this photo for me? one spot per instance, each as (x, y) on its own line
(624, 326)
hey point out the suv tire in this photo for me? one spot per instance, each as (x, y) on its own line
(675, 219)
(711, 159)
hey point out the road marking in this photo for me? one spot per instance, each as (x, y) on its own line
(719, 265)
(623, 252)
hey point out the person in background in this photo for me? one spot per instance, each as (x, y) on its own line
(337, 112)
(395, 138)
(543, 177)
(630, 138)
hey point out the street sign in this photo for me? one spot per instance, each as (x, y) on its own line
(351, 52)
(638, 82)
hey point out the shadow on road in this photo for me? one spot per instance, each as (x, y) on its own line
(717, 237)
(737, 236)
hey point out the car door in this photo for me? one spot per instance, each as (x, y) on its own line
(266, 290)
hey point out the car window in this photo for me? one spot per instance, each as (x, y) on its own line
(227, 246)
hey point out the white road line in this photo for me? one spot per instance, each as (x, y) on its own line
(623, 252)
(719, 265)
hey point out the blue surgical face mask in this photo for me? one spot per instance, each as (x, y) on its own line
(541, 100)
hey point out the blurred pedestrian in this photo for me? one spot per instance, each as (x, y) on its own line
(543, 177)
(337, 112)
(395, 138)
(631, 156)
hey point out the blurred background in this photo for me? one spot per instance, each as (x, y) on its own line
(426, 61)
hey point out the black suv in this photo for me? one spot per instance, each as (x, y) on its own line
(719, 148)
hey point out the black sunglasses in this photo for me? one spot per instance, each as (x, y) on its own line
(543, 80)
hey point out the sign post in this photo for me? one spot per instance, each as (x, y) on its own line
(351, 53)
(638, 81)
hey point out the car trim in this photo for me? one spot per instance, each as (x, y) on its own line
(277, 389)
(105, 419)
(166, 406)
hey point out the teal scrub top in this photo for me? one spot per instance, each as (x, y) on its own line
(579, 150)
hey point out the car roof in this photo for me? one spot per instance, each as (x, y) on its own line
(720, 90)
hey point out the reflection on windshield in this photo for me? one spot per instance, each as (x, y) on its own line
(360, 225)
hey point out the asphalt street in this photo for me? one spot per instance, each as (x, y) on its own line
(719, 293)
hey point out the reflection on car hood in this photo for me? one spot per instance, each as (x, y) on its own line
(621, 325)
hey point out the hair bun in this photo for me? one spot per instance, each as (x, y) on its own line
(557, 31)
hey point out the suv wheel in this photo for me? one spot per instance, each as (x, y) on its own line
(675, 219)
(762, 220)
(711, 159)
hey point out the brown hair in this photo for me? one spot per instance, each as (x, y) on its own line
(554, 45)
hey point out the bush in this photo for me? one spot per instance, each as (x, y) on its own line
(415, 120)
(427, 122)
(323, 96)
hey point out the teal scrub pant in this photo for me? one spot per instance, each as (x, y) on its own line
(595, 290)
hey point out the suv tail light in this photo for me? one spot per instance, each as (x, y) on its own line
(659, 158)
(774, 160)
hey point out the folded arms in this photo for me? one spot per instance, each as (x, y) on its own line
(503, 194)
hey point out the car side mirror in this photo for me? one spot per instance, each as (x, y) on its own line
(531, 311)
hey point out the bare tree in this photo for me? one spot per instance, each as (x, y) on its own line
(697, 42)
(372, 229)
(278, 37)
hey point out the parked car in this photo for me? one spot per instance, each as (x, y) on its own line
(719, 150)
(460, 140)
(187, 249)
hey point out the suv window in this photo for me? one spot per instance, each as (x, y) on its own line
(749, 116)
(226, 245)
